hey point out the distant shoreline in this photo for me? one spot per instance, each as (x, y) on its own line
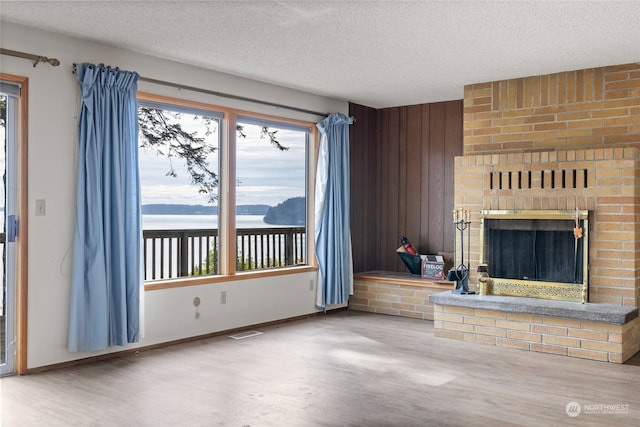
(175, 209)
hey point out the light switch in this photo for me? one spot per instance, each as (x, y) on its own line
(41, 207)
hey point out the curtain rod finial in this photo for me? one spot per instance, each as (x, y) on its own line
(36, 58)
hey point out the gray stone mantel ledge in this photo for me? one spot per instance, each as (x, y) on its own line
(604, 313)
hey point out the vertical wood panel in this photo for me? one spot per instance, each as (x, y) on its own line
(357, 138)
(435, 216)
(402, 171)
(391, 188)
(383, 195)
(362, 152)
(413, 212)
(453, 148)
(372, 201)
(424, 177)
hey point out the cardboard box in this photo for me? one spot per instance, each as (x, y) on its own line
(433, 267)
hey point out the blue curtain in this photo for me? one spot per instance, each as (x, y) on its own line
(332, 230)
(106, 271)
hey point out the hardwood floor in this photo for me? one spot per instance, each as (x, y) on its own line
(341, 369)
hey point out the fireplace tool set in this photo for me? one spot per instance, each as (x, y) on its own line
(460, 273)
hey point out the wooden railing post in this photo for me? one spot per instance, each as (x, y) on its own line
(184, 254)
(288, 247)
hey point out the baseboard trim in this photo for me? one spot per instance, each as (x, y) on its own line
(134, 351)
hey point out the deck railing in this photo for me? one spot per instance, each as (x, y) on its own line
(171, 254)
(179, 253)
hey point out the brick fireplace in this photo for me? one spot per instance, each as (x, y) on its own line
(560, 142)
(609, 195)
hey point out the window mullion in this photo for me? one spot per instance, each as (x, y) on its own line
(227, 202)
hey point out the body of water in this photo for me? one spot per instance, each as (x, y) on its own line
(178, 222)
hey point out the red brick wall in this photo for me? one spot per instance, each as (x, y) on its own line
(551, 142)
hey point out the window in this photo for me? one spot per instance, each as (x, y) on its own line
(179, 175)
(271, 184)
(191, 199)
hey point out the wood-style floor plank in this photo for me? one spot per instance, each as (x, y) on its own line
(341, 369)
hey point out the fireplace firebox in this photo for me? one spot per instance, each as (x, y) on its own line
(535, 253)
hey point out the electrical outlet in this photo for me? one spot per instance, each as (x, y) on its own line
(223, 297)
(196, 304)
(311, 284)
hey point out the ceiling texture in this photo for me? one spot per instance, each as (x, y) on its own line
(375, 53)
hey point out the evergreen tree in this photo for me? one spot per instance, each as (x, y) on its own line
(290, 212)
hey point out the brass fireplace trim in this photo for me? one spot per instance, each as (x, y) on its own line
(535, 289)
(535, 214)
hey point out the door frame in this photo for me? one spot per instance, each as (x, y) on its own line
(22, 211)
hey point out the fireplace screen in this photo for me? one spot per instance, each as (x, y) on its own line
(536, 253)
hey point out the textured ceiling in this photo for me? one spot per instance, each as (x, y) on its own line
(375, 53)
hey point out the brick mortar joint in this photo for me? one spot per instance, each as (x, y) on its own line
(595, 154)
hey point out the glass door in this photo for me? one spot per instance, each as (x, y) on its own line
(8, 191)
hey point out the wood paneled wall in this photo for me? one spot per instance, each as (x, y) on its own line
(402, 180)
(364, 198)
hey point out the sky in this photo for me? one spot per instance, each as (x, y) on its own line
(265, 175)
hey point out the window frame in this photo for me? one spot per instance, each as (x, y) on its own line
(227, 194)
(22, 209)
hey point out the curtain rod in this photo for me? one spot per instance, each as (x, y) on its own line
(231, 96)
(227, 95)
(36, 58)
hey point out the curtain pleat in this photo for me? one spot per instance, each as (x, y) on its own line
(106, 268)
(332, 223)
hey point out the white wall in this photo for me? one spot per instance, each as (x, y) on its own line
(53, 103)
